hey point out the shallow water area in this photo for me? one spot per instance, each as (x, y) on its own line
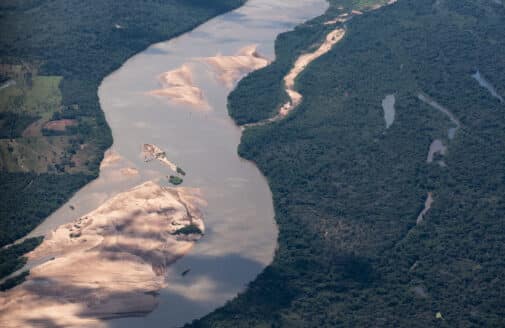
(486, 84)
(388, 105)
(436, 147)
(451, 132)
(240, 236)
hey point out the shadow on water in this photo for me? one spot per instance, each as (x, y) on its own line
(240, 236)
(194, 294)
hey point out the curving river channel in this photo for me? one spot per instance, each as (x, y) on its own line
(240, 235)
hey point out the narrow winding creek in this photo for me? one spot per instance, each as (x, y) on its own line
(194, 131)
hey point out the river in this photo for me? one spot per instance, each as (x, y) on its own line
(240, 236)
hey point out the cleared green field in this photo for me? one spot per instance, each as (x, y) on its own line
(36, 96)
(26, 106)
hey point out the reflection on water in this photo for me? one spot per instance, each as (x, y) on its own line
(240, 234)
(388, 105)
(451, 132)
(436, 147)
(486, 84)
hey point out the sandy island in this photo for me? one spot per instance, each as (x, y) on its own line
(229, 69)
(108, 263)
(152, 152)
(177, 86)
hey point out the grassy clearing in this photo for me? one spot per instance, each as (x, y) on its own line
(33, 95)
(26, 108)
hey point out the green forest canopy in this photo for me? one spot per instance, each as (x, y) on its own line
(347, 192)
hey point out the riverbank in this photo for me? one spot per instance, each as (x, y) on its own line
(295, 98)
(241, 235)
(65, 52)
(348, 190)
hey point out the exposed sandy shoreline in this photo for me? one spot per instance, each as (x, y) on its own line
(301, 63)
(229, 69)
(332, 38)
(295, 98)
(108, 263)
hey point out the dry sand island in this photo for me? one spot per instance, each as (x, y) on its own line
(108, 263)
(177, 86)
(229, 69)
(152, 152)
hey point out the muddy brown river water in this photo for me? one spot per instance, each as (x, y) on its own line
(240, 236)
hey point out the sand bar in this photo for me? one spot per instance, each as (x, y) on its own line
(230, 69)
(177, 86)
(108, 263)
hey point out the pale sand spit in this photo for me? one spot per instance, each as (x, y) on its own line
(152, 152)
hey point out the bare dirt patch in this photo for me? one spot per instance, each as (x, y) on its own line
(295, 98)
(34, 129)
(59, 125)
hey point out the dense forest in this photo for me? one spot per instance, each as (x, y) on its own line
(348, 192)
(53, 56)
(12, 259)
